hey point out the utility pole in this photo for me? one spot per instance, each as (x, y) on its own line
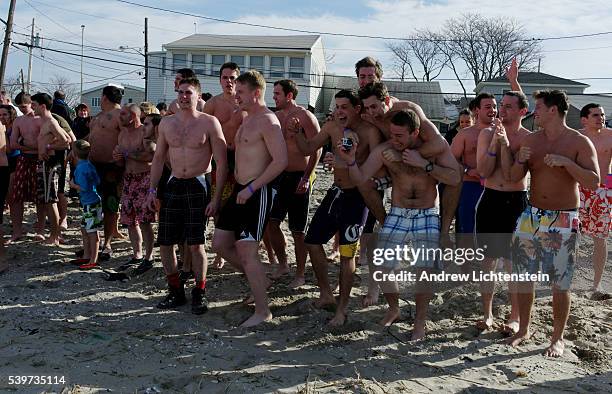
(23, 86)
(82, 35)
(30, 49)
(7, 41)
(146, 56)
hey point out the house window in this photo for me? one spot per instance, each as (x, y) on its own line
(217, 62)
(240, 61)
(129, 101)
(277, 67)
(179, 60)
(296, 67)
(95, 101)
(198, 64)
(257, 63)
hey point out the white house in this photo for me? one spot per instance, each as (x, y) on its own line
(300, 58)
(92, 97)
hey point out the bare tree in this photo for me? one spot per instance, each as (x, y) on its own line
(486, 46)
(13, 86)
(70, 89)
(418, 51)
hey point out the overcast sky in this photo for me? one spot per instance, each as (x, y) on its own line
(111, 24)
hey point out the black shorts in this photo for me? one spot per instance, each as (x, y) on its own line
(287, 201)
(496, 215)
(12, 163)
(47, 177)
(182, 216)
(5, 176)
(60, 157)
(371, 220)
(111, 179)
(163, 181)
(342, 211)
(247, 221)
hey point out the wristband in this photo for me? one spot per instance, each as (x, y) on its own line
(492, 154)
(152, 190)
(353, 163)
(251, 189)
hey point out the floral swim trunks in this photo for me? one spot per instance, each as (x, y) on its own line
(133, 208)
(546, 241)
(596, 211)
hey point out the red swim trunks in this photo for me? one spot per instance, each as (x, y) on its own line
(596, 211)
(133, 208)
(25, 179)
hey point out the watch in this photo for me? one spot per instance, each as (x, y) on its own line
(429, 167)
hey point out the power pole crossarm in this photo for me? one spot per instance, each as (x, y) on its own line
(7, 41)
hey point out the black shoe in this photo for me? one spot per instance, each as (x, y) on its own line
(133, 261)
(104, 256)
(199, 303)
(144, 266)
(185, 276)
(175, 298)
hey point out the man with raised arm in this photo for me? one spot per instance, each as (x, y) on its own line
(558, 159)
(414, 211)
(190, 139)
(294, 184)
(225, 108)
(261, 155)
(596, 205)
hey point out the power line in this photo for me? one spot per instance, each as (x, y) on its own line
(343, 34)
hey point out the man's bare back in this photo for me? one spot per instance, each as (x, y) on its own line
(104, 135)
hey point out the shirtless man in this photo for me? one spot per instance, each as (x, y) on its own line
(464, 148)
(379, 108)
(24, 137)
(103, 137)
(342, 210)
(190, 139)
(134, 151)
(501, 202)
(51, 137)
(596, 205)
(414, 213)
(261, 155)
(294, 184)
(174, 106)
(558, 159)
(225, 108)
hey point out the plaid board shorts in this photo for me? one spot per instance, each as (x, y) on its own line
(92, 217)
(546, 241)
(596, 211)
(419, 227)
(182, 217)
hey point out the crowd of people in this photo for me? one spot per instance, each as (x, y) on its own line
(230, 158)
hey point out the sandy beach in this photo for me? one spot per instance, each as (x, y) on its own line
(109, 337)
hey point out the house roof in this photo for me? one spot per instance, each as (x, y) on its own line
(100, 87)
(295, 42)
(534, 78)
(426, 94)
(580, 101)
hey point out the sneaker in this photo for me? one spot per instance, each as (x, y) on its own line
(88, 266)
(199, 303)
(133, 261)
(175, 298)
(144, 266)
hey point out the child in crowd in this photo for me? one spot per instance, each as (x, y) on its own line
(85, 181)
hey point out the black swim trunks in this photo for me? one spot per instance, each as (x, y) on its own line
(287, 201)
(496, 215)
(371, 220)
(182, 216)
(247, 221)
(47, 176)
(343, 211)
(111, 177)
(60, 156)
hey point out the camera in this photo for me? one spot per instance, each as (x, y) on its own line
(347, 143)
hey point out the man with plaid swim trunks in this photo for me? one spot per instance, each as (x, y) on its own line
(190, 139)
(596, 205)
(135, 149)
(414, 214)
(558, 159)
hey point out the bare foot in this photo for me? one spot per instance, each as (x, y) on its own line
(279, 272)
(297, 282)
(555, 349)
(325, 302)
(510, 328)
(218, 263)
(391, 317)
(64, 225)
(418, 332)
(518, 338)
(256, 319)
(338, 320)
(39, 237)
(485, 324)
(369, 300)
